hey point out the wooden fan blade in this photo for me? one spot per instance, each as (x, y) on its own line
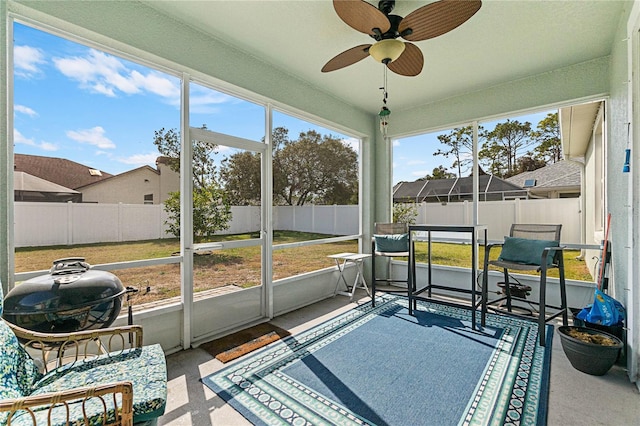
(361, 16)
(409, 63)
(346, 58)
(437, 18)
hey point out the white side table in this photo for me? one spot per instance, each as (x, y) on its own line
(342, 259)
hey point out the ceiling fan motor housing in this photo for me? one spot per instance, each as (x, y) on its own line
(386, 6)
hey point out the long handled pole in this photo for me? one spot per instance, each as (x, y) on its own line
(604, 252)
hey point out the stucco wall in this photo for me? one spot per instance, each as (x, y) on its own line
(169, 182)
(127, 188)
(618, 182)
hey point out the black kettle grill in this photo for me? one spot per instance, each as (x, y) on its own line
(69, 298)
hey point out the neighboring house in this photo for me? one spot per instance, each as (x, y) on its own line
(558, 180)
(60, 171)
(144, 185)
(27, 187)
(457, 189)
(57, 179)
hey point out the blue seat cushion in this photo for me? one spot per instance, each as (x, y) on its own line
(145, 367)
(393, 243)
(527, 251)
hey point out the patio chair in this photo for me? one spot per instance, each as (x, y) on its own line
(529, 247)
(104, 376)
(389, 240)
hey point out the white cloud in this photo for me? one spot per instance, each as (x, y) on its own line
(141, 159)
(421, 173)
(94, 136)
(108, 75)
(156, 83)
(415, 162)
(19, 138)
(206, 101)
(25, 110)
(396, 142)
(27, 61)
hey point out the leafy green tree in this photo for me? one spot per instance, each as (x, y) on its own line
(547, 135)
(313, 168)
(440, 173)
(528, 164)
(405, 213)
(211, 207)
(459, 145)
(241, 174)
(503, 144)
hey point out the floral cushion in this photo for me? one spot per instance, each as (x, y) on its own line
(145, 367)
(18, 372)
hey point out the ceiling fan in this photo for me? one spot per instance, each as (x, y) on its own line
(403, 58)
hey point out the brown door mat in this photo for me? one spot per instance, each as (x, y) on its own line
(235, 345)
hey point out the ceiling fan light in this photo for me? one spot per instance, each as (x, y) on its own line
(386, 51)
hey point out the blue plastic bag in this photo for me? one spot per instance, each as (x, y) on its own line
(605, 310)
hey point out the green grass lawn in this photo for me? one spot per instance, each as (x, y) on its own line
(237, 266)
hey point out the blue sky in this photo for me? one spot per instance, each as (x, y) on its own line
(413, 156)
(72, 101)
(79, 103)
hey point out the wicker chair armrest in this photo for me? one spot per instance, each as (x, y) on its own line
(56, 349)
(107, 393)
(76, 336)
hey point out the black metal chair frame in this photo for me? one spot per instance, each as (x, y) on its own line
(387, 229)
(537, 232)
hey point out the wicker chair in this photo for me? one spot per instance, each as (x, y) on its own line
(529, 247)
(397, 247)
(92, 377)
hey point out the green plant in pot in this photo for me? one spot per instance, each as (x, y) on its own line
(589, 350)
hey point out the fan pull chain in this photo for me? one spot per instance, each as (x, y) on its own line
(384, 111)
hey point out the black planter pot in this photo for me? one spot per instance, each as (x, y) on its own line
(587, 357)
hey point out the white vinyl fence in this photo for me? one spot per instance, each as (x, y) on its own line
(43, 224)
(499, 215)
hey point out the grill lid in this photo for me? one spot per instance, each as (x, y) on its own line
(70, 285)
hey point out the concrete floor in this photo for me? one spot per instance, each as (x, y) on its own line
(575, 398)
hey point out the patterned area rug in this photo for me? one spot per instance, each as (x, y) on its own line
(381, 366)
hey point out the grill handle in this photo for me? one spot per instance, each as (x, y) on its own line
(69, 265)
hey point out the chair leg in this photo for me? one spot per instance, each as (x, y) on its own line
(373, 275)
(542, 323)
(507, 287)
(563, 292)
(485, 291)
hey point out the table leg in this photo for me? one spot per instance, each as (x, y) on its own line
(341, 267)
(359, 280)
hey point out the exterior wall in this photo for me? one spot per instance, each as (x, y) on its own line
(593, 205)
(127, 188)
(623, 189)
(169, 182)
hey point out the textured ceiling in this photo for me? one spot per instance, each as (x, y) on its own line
(506, 40)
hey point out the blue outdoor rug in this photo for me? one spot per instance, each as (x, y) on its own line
(381, 366)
